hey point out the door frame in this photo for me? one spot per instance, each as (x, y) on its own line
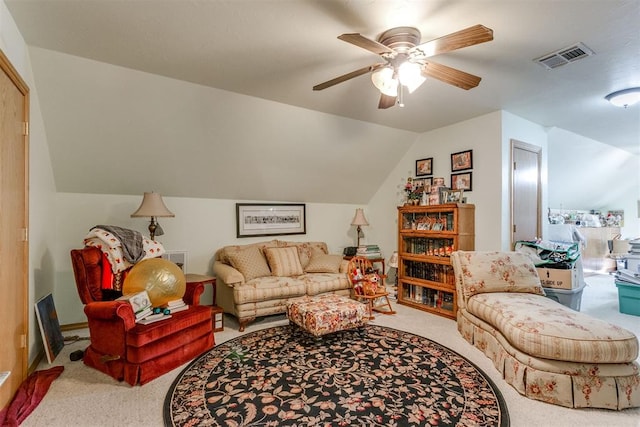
(21, 86)
(515, 144)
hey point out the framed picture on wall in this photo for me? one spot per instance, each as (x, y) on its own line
(461, 181)
(424, 167)
(270, 219)
(462, 160)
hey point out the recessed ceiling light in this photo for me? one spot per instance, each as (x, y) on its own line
(624, 98)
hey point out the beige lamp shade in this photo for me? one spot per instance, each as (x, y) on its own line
(393, 261)
(359, 218)
(152, 206)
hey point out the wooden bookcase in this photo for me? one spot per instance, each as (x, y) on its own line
(426, 237)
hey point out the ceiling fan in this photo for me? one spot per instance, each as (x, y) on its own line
(405, 61)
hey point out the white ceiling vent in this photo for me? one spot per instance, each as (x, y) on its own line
(564, 56)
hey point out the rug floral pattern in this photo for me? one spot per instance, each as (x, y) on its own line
(374, 376)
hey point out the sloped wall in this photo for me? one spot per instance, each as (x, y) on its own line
(585, 174)
(200, 227)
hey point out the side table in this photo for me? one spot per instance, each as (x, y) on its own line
(217, 314)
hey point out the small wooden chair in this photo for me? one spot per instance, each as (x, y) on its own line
(377, 301)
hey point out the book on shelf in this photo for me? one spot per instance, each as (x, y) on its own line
(174, 303)
(368, 248)
(369, 251)
(139, 301)
(144, 313)
(177, 309)
(154, 318)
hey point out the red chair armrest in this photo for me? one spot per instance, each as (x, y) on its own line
(192, 293)
(117, 311)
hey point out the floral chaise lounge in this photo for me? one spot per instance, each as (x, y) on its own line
(259, 279)
(545, 350)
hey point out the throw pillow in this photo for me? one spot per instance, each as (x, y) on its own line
(250, 262)
(283, 261)
(324, 264)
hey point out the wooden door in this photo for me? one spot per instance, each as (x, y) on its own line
(526, 218)
(14, 248)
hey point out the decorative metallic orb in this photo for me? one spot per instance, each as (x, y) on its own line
(163, 280)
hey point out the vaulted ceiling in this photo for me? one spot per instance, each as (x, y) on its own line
(210, 92)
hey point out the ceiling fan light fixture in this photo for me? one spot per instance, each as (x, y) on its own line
(383, 79)
(410, 75)
(624, 98)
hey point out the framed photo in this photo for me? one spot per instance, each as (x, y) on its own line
(455, 196)
(462, 161)
(443, 192)
(424, 183)
(424, 167)
(461, 181)
(270, 219)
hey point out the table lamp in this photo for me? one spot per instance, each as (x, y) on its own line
(359, 220)
(153, 207)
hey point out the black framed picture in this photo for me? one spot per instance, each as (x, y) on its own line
(270, 219)
(461, 181)
(424, 167)
(462, 160)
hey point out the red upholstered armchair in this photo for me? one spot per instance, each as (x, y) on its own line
(133, 352)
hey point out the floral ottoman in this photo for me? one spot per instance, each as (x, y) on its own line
(327, 313)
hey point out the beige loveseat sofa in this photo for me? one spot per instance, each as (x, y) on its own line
(258, 279)
(545, 350)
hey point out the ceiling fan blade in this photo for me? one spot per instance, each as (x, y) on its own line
(365, 43)
(345, 77)
(450, 75)
(463, 38)
(386, 101)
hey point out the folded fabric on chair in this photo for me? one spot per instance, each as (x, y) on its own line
(131, 241)
(114, 248)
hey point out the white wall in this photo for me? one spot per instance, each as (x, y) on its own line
(489, 137)
(42, 189)
(200, 227)
(482, 135)
(586, 174)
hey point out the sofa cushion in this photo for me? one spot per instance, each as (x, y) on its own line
(250, 262)
(224, 253)
(268, 289)
(496, 272)
(324, 263)
(283, 261)
(544, 328)
(306, 250)
(319, 283)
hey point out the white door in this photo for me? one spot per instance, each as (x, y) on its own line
(526, 210)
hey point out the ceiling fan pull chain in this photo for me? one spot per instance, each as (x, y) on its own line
(400, 95)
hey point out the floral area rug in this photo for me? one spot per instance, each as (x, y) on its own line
(373, 376)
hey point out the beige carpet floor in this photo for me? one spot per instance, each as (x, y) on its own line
(82, 396)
